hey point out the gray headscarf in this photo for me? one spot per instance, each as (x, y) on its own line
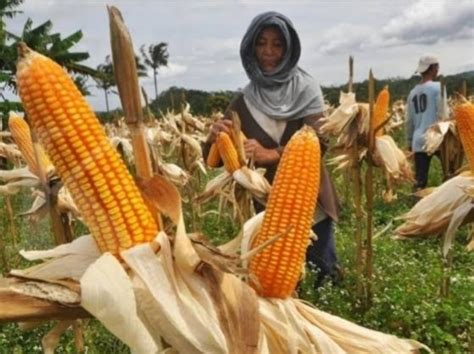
(288, 92)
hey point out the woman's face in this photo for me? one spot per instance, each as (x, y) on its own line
(269, 49)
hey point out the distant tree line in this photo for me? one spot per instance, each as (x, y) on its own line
(400, 87)
(204, 103)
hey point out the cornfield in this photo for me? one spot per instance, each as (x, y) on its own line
(179, 262)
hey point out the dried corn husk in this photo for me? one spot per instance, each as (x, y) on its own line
(201, 309)
(16, 179)
(397, 118)
(392, 159)
(341, 117)
(39, 208)
(435, 134)
(253, 181)
(432, 214)
(350, 122)
(10, 152)
(123, 145)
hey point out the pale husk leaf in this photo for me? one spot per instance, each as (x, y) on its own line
(342, 115)
(47, 291)
(215, 186)
(107, 294)
(393, 159)
(434, 136)
(459, 215)
(353, 338)
(254, 182)
(125, 145)
(193, 143)
(250, 230)
(84, 245)
(187, 319)
(433, 213)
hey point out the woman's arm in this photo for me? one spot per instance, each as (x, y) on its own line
(261, 155)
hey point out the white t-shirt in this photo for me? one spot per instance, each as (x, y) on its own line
(423, 103)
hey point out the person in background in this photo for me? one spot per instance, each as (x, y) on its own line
(279, 99)
(422, 112)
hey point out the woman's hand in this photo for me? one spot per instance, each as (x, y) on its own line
(260, 155)
(222, 125)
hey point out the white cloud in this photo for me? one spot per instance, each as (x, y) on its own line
(173, 69)
(345, 37)
(430, 21)
(424, 22)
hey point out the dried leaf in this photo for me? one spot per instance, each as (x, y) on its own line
(458, 217)
(237, 309)
(107, 293)
(161, 193)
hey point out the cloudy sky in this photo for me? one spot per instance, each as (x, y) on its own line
(204, 36)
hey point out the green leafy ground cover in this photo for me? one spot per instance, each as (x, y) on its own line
(406, 287)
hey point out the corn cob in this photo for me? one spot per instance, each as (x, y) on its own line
(21, 134)
(290, 208)
(87, 163)
(464, 115)
(227, 152)
(380, 111)
(214, 158)
(241, 136)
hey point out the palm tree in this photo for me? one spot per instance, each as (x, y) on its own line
(7, 10)
(106, 80)
(40, 39)
(81, 83)
(141, 68)
(7, 55)
(156, 56)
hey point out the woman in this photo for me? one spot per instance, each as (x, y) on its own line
(278, 100)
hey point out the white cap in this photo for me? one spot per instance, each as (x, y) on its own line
(425, 62)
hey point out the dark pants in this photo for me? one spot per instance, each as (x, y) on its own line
(422, 167)
(321, 254)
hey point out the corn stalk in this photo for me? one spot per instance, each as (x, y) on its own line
(355, 171)
(464, 88)
(3, 255)
(444, 147)
(125, 71)
(11, 219)
(60, 224)
(369, 195)
(13, 232)
(447, 269)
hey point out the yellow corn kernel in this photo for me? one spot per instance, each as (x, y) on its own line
(227, 152)
(21, 134)
(290, 209)
(43, 84)
(213, 159)
(464, 116)
(380, 111)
